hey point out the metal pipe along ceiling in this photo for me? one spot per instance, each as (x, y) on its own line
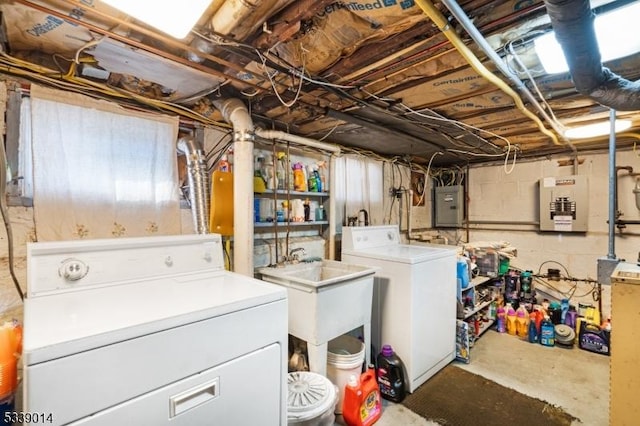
(572, 21)
(475, 34)
(441, 22)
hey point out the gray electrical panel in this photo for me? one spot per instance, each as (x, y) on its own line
(448, 206)
(564, 204)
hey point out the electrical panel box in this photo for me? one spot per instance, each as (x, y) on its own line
(564, 204)
(448, 206)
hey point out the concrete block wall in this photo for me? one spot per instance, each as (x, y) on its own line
(505, 207)
(513, 199)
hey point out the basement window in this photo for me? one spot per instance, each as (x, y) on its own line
(612, 33)
(98, 170)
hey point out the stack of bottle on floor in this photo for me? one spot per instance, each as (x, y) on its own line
(549, 323)
(362, 405)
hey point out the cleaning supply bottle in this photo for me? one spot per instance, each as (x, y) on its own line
(511, 321)
(362, 405)
(223, 164)
(259, 182)
(281, 174)
(269, 173)
(322, 165)
(521, 322)
(532, 332)
(564, 308)
(10, 350)
(502, 320)
(547, 332)
(299, 183)
(390, 375)
(307, 210)
(312, 183)
(319, 183)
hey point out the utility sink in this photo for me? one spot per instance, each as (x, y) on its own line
(326, 299)
(314, 275)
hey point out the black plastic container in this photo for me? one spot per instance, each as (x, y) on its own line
(390, 375)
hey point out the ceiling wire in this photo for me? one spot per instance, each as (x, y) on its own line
(87, 87)
(525, 69)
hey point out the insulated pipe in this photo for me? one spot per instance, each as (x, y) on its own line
(572, 22)
(611, 254)
(441, 22)
(231, 13)
(198, 182)
(475, 34)
(235, 112)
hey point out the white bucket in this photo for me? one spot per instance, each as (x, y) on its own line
(311, 399)
(345, 356)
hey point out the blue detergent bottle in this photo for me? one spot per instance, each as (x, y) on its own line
(532, 335)
(547, 332)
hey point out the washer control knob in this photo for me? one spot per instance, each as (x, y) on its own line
(168, 261)
(73, 269)
(207, 256)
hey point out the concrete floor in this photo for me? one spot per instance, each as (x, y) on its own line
(573, 379)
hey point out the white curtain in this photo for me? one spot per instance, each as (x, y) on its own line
(358, 185)
(101, 171)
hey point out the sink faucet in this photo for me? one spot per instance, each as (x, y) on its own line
(293, 254)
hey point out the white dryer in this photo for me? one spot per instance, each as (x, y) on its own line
(414, 298)
(151, 331)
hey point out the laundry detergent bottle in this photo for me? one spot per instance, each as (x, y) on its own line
(390, 374)
(362, 405)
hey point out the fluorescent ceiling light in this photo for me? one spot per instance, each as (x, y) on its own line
(612, 32)
(175, 18)
(596, 129)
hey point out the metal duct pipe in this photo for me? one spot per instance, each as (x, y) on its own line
(475, 34)
(235, 112)
(198, 179)
(572, 21)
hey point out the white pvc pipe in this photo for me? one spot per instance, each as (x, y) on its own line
(235, 112)
(284, 136)
(332, 208)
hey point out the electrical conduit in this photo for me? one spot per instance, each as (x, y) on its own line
(475, 34)
(441, 22)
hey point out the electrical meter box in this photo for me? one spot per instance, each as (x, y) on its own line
(564, 204)
(448, 206)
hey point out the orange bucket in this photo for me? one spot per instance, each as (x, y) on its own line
(10, 349)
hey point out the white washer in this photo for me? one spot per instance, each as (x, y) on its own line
(414, 298)
(151, 331)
